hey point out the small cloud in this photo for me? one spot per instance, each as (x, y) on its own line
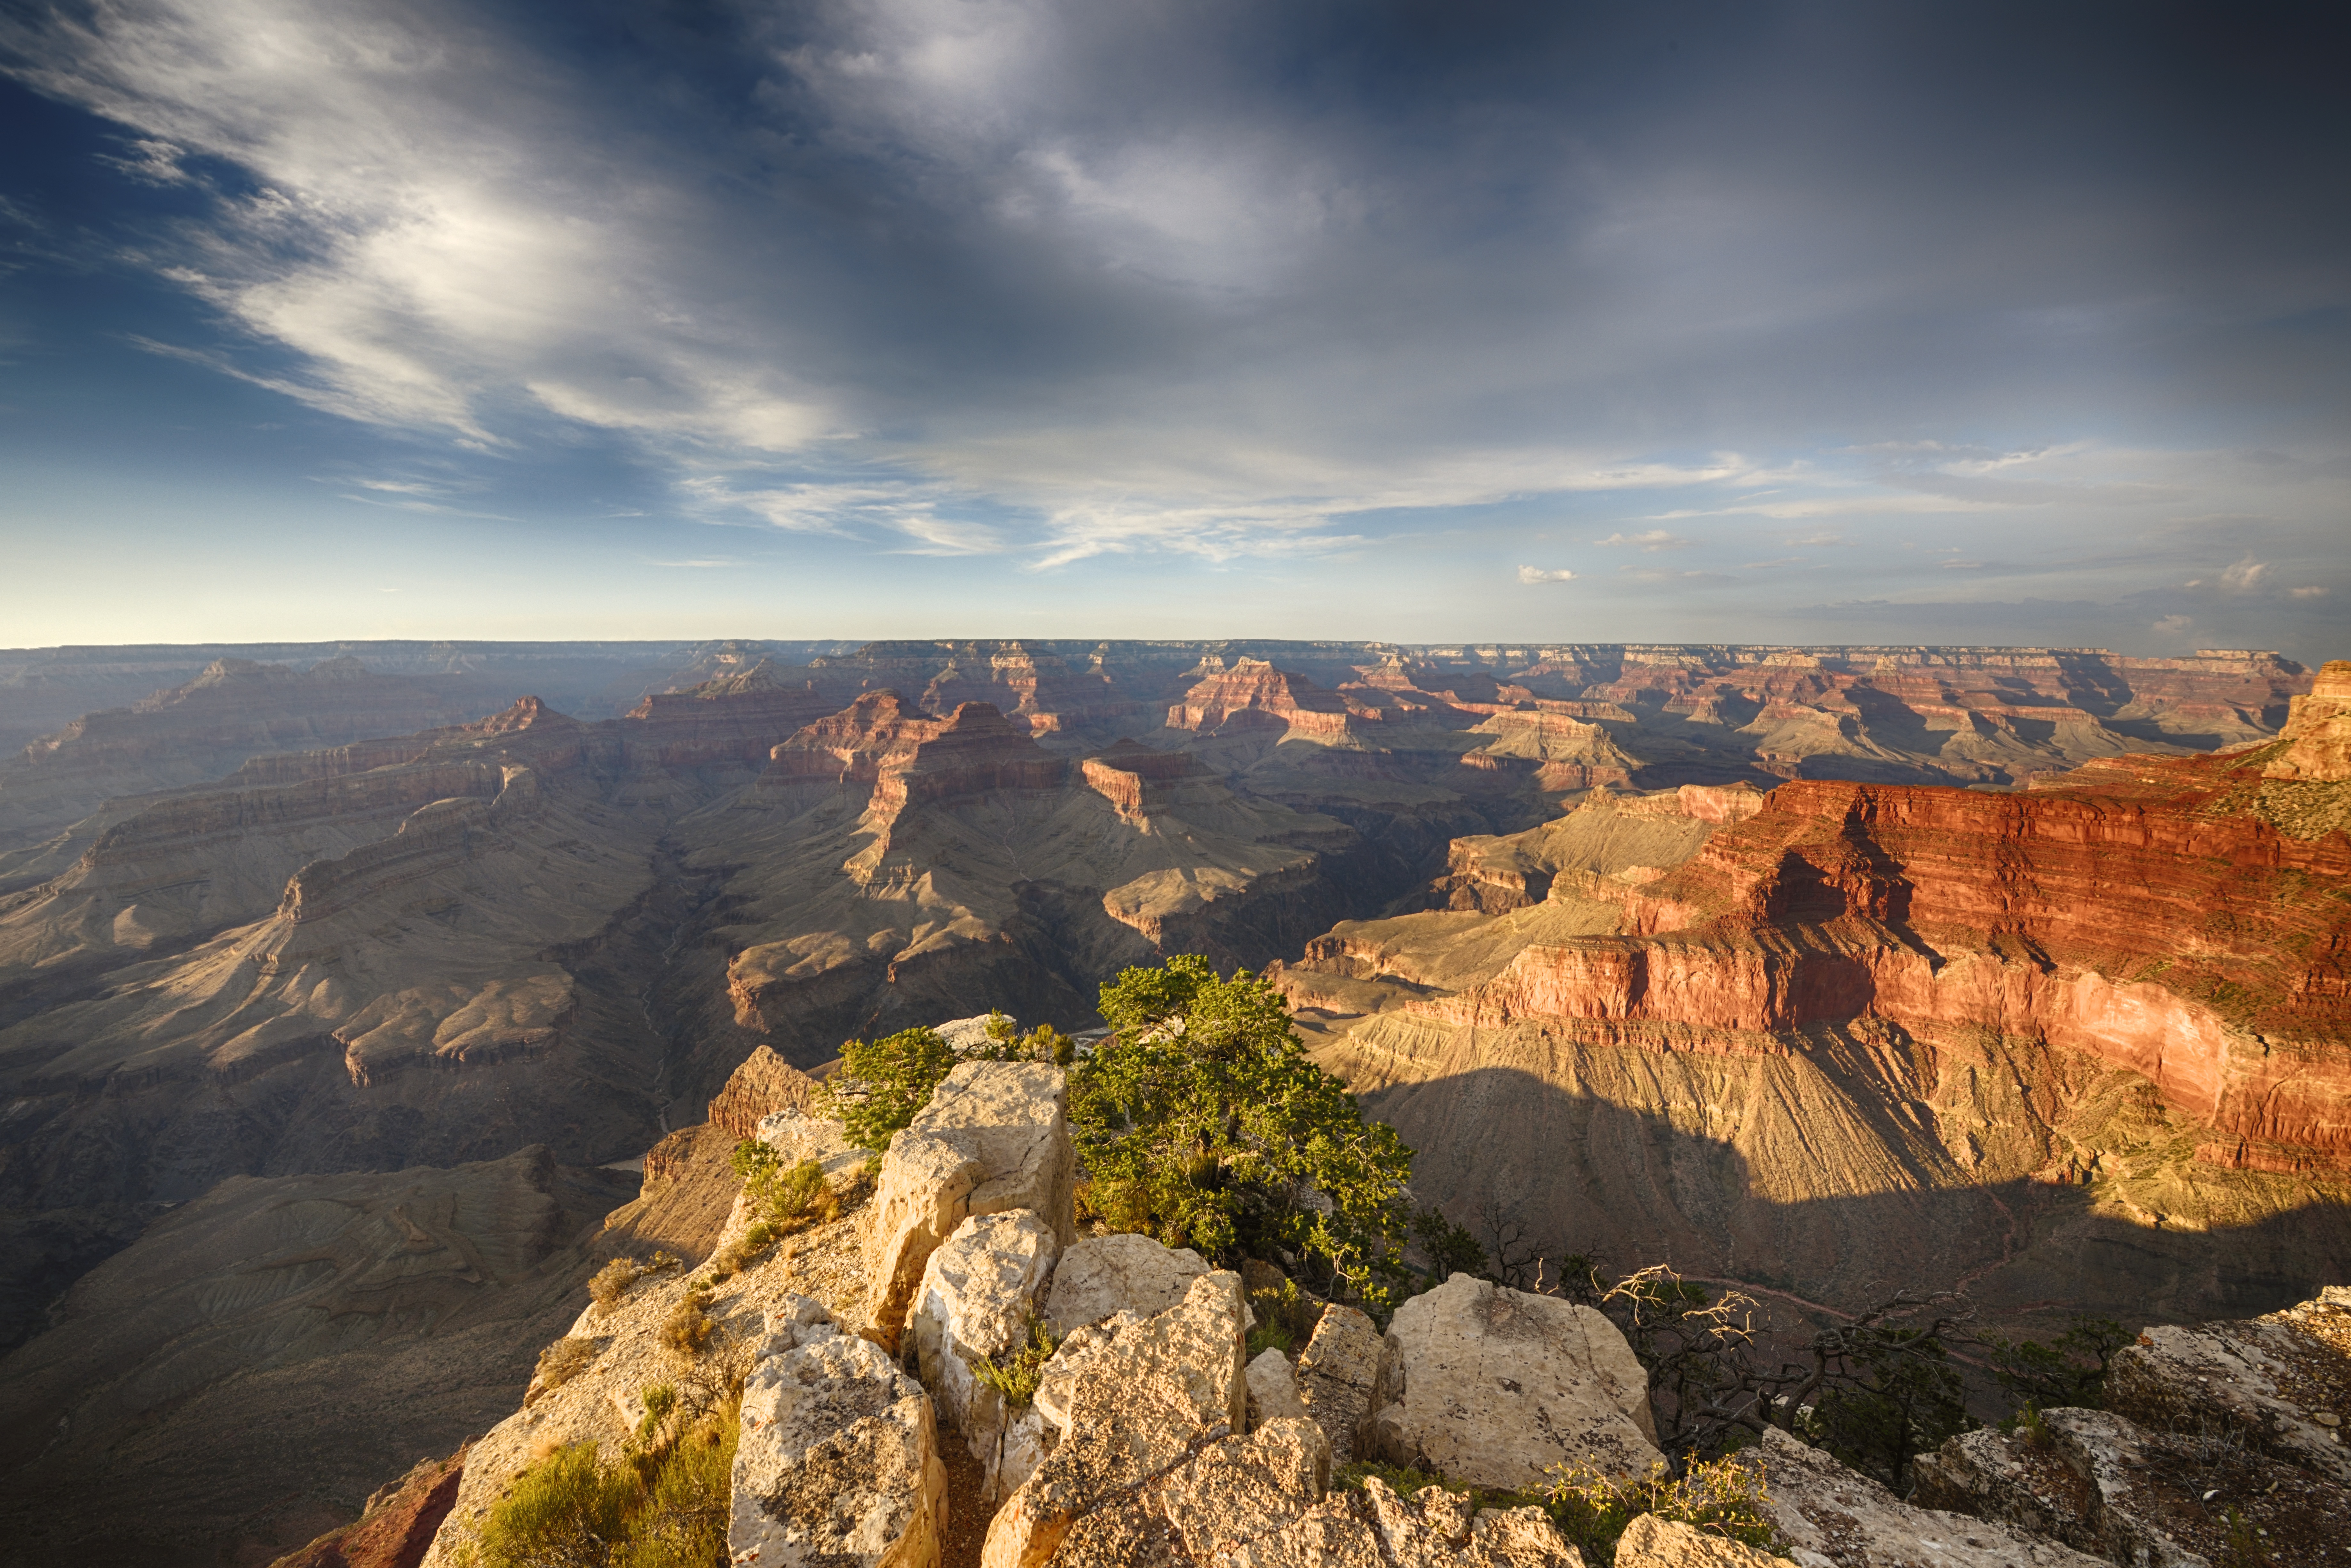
(1544, 574)
(387, 590)
(149, 164)
(1655, 539)
(1782, 560)
(2174, 625)
(1814, 541)
(1962, 566)
(2306, 593)
(2243, 575)
(2193, 582)
(699, 563)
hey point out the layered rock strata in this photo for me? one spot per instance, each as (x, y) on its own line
(2056, 1042)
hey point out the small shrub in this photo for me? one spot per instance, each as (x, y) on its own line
(1268, 1335)
(736, 1255)
(1721, 1497)
(1286, 1317)
(683, 1520)
(2028, 1423)
(1018, 1377)
(564, 1359)
(1404, 1482)
(788, 1197)
(567, 1511)
(660, 1400)
(665, 1506)
(689, 1326)
(613, 1280)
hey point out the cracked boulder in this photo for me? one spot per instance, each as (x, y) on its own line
(978, 1299)
(1493, 1386)
(838, 1464)
(1102, 1276)
(1339, 1377)
(994, 1137)
(1130, 1401)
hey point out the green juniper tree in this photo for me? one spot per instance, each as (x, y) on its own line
(1202, 1123)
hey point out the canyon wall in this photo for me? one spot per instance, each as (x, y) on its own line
(2077, 1047)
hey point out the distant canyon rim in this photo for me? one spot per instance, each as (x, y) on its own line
(1818, 969)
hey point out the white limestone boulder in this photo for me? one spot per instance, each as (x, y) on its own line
(1103, 1275)
(837, 1464)
(1493, 1386)
(795, 1135)
(1130, 1405)
(1338, 1377)
(1272, 1390)
(979, 1293)
(994, 1137)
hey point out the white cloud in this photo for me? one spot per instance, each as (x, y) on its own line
(1543, 574)
(2244, 574)
(2306, 593)
(1655, 539)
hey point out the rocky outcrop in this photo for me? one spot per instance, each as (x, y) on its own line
(1132, 1405)
(995, 1137)
(1253, 691)
(1101, 1276)
(1494, 1387)
(2221, 1445)
(396, 1526)
(838, 1464)
(1834, 1518)
(2317, 735)
(2086, 1477)
(2281, 1383)
(765, 1085)
(798, 1135)
(975, 1307)
(1339, 1379)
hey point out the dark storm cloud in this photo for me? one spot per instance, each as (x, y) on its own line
(1058, 280)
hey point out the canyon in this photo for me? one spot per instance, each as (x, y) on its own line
(1810, 968)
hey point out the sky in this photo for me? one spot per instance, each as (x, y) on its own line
(1457, 322)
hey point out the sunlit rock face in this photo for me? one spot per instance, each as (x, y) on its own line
(2086, 1042)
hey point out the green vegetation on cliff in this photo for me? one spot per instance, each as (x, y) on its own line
(1201, 1122)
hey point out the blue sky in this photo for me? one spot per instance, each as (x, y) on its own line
(1791, 323)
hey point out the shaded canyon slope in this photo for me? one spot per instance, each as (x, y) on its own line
(2086, 1047)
